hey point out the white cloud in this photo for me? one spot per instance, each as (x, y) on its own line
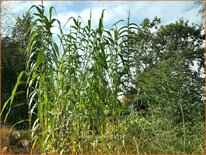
(22, 7)
(112, 14)
(167, 11)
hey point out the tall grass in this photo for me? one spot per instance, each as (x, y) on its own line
(75, 91)
(73, 87)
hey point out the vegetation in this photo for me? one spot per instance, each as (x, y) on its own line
(13, 141)
(129, 89)
(13, 62)
(202, 9)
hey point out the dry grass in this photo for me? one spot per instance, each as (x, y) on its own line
(12, 141)
(4, 139)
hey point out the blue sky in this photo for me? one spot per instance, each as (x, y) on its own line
(168, 11)
(139, 10)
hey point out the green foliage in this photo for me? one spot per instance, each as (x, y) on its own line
(202, 9)
(165, 72)
(13, 62)
(74, 84)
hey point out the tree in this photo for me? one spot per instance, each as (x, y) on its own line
(202, 10)
(13, 62)
(7, 18)
(165, 72)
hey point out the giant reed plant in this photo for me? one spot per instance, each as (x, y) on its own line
(74, 80)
